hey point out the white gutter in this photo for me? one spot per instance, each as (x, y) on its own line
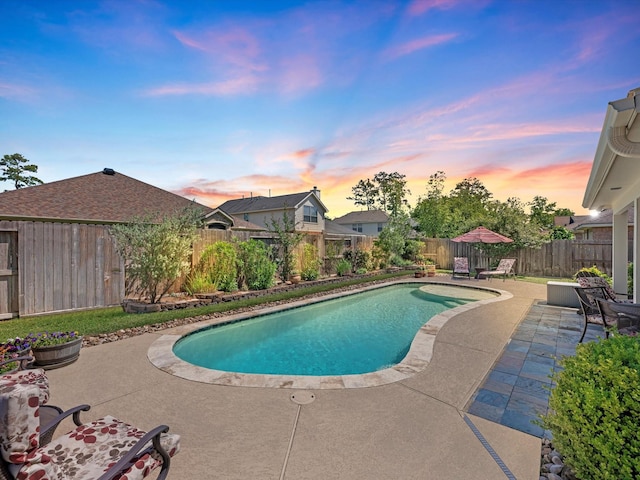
(620, 144)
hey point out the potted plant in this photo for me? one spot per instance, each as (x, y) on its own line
(54, 349)
(13, 348)
(431, 267)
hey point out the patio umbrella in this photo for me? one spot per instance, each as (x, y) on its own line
(481, 235)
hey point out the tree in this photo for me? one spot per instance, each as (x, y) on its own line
(13, 168)
(468, 206)
(386, 192)
(561, 233)
(564, 212)
(392, 192)
(542, 211)
(365, 194)
(287, 241)
(393, 236)
(431, 213)
(156, 253)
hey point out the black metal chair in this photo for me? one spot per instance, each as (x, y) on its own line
(625, 316)
(589, 308)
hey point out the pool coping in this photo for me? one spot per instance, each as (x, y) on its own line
(161, 355)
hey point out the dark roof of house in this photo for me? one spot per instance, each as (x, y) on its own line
(364, 216)
(261, 204)
(93, 198)
(602, 219)
(333, 228)
(240, 223)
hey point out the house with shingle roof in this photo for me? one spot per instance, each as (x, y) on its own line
(104, 197)
(594, 227)
(368, 222)
(304, 208)
(56, 251)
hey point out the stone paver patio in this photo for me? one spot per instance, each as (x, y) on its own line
(414, 428)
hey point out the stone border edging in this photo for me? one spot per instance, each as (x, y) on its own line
(161, 355)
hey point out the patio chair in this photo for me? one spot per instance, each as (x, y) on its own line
(590, 310)
(37, 377)
(588, 281)
(504, 268)
(624, 317)
(461, 267)
(103, 449)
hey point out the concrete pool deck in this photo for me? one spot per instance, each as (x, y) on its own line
(414, 428)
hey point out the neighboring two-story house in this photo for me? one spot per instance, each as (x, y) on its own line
(367, 222)
(305, 209)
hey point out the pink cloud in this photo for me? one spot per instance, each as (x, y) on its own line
(418, 44)
(419, 7)
(237, 86)
(299, 73)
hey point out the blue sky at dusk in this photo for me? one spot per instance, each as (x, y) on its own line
(214, 100)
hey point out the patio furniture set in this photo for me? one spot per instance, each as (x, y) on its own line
(103, 449)
(600, 305)
(504, 269)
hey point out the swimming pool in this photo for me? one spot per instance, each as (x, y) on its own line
(355, 334)
(419, 357)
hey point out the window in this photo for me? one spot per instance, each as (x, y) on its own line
(246, 217)
(356, 227)
(380, 227)
(310, 214)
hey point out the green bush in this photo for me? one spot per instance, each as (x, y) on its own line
(594, 270)
(156, 251)
(198, 282)
(361, 271)
(357, 258)
(218, 261)
(343, 267)
(595, 408)
(255, 268)
(630, 280)
(310, 262)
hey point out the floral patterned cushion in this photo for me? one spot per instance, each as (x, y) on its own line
(36, 377)
(88, 451)
(461, 265)
(19, 421)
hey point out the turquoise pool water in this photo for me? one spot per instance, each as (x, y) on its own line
(355, 334)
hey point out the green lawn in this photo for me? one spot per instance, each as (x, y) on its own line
(107, 320)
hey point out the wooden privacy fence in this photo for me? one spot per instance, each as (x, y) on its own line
(48, 267)
(559, 258)
(57, 266)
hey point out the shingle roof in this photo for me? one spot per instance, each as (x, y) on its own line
(365, 216)
(333, 228)
(260, 204)
(92, 198)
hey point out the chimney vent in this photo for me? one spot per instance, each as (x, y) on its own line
(109, 171)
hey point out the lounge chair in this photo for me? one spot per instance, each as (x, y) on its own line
(103, 449)
(504, 268)
(461, 267)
